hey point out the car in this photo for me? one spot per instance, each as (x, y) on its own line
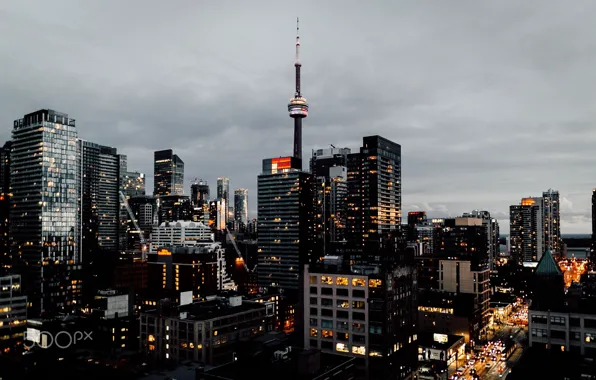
(487, 365)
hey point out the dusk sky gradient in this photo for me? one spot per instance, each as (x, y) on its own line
(491, 101)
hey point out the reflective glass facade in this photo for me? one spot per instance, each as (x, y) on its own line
(241, 206)
(44, 229)
(168, 173)
(100, 166)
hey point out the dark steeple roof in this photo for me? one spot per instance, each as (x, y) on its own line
(547, 266)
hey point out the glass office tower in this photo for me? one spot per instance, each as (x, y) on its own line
(45, 230)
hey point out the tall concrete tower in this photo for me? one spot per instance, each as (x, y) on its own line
(298, 107)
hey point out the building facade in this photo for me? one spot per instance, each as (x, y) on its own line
(526, 230)
(13, 311)
(374, 194)
(180, 233)
(552, 221)
(241, 206)
(100, 186)
(6, 261)
(203, 332)
(168, 173)
(285, 222)
(367, 312)
(45, 228)
(199, 193)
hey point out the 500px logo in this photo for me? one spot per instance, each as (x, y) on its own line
(62, 339)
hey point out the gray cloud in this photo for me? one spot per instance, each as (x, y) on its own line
(491, 101)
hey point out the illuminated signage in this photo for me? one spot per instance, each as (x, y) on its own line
(164, 252)
(281, 163)
(441, 338)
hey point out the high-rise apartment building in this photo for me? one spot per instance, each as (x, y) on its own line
(100, 200)
(552, 221)
(329, 171)
(5, 198)
(285, 222)
(492, 234)
(241, 206)
(223, 193)
(168, 173)
(374, 194)
(45, 227)
(331, 209)
(526, 230)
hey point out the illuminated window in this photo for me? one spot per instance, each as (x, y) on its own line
(340, 347)
(375, 353)
(359, 350)
(358, 304)
(375, 283)
(343, 281)
(327, 280)
(314, 332)
(327, 333)
(344, 304)
(358, 281)
(313, 279)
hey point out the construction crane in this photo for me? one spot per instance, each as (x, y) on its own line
(144, 243)
(238, 252)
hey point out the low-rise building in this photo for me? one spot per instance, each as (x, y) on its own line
(439, 355)
(204, 331)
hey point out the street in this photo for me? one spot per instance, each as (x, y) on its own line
(494, 360)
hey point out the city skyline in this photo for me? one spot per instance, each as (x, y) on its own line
(500, 88)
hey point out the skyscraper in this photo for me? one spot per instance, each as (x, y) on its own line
(552, 221)
(199, 193)
(223, 193)
(5, 195)
(285, 222)
(241, 206)
(374, 193)
(100, 198)
(45, 228)
(168, 173)
(328, 168)
(492, 234)
(526, 230)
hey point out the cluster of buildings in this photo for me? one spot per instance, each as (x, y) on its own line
(327, 282)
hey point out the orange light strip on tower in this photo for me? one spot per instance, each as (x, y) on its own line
(164, 252)
(528, 202)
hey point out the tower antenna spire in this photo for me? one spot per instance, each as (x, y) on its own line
(298, 107)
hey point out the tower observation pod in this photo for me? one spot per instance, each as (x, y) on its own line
(298, 107)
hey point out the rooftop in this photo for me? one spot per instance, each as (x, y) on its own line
(431, 340)
(212, 309)
(547, 266)
(278, 361)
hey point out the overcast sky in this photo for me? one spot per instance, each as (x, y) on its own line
(490, 100)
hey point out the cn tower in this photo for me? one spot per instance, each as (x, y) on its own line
(298, 106)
